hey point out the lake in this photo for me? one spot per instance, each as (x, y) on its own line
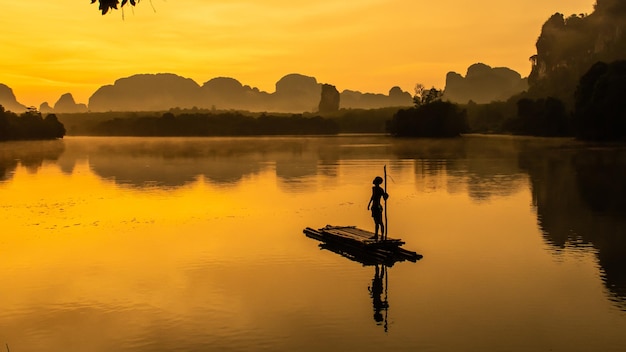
(196, 244)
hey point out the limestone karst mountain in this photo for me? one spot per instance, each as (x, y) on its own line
(568, 46)
(146, 92)
(483, 84)
(66, 104)
(351, 99)
(9, 101)
(295, 93)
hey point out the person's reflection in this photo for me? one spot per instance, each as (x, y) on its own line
(376, 292)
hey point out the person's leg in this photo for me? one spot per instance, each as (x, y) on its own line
(375, 237)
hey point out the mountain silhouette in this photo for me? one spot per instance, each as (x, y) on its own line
(351, 99)
(45, 108)
(146, 92)
(568, 46)
(228, 93)
(295, 93)
(9, 101)
(66, 104)
(483, 84)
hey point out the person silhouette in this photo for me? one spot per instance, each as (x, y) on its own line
(376, 207)
(376, 292)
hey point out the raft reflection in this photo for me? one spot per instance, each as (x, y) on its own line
(379, 288)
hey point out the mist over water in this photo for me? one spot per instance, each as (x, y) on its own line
(154, 244)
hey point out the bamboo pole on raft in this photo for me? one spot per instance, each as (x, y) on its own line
(384, 234)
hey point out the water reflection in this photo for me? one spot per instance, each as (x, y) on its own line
(580, 197)
(376, 290)
(31, 155)
(579, 191)
(487, 165)
(379, 287)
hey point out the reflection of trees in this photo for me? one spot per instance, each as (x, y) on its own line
(171, 172)
(175, 162)
(487, 165)
(30, 154)
(580, 195)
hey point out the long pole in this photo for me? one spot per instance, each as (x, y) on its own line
(386, 296)
(384, 235)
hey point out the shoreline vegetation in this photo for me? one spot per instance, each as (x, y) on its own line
(438, 119)
(599, 114)
(575, 89)
(30, 125)
(206, 122)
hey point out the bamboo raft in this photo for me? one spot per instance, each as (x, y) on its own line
(359, 245)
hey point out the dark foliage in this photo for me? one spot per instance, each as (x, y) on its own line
(363, 120)
(106, 5)
(600, 110)
(222, 124)
(344, 120)
(436, 119)
(541, 117)
(490, 117)
(29, 125)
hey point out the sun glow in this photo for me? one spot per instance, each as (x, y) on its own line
(51, 48)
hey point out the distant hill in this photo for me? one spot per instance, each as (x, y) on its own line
(67, 104)
(146, 92)
(350, 99)
(483, 84)
(295, 93)
(9, 101)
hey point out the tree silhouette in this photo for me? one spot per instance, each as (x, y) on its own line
(425, 96)
(106, 5)
(30, 125)
(600, 112)
(438, 119)
(542, 117)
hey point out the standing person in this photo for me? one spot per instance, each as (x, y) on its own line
(376, 206)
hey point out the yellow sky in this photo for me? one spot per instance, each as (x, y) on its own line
(53, 47)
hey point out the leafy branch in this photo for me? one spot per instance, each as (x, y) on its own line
(106, 5)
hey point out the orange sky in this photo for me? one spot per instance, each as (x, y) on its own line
(53, 47)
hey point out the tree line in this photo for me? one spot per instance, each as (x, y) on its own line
(29, 125)
(208, 122)
(215, 124)
(599, 114)
(598, 111)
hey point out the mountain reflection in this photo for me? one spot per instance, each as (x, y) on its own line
(578, 191)
(31, 155)
(580, 196)
(486, 165)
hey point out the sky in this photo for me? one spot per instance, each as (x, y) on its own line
(66, 46)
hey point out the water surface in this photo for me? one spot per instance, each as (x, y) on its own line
(167, 244)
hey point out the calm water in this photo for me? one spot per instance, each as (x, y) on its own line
(132, 244)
